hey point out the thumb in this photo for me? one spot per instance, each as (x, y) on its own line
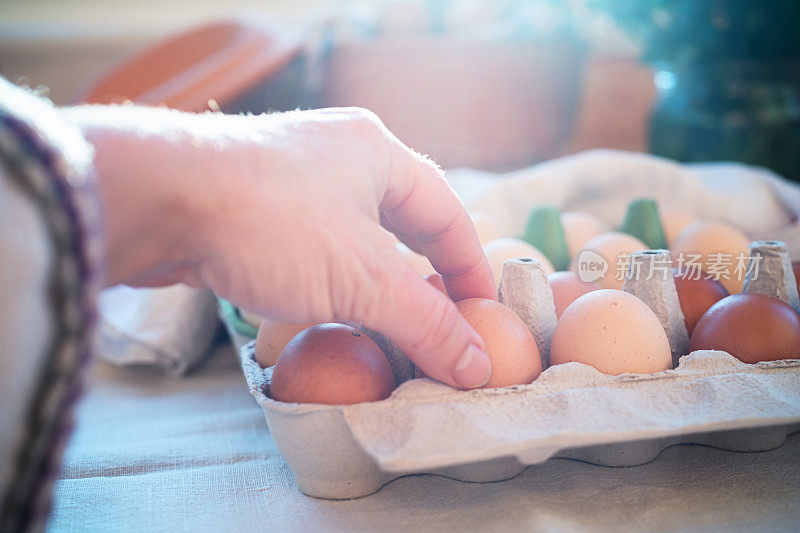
(426, 325)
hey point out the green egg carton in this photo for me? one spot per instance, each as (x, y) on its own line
(240, 331)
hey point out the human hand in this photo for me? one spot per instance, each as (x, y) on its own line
(282, 215)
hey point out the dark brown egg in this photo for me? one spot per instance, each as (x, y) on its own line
(796, 270)
(750, 326)
(331, 364)
(697, 293)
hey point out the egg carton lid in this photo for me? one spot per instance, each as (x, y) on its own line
(426, 425)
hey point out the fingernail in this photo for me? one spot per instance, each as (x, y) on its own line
(473, 368)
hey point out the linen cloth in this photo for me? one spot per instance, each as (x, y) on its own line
(157, 454)
(603, 182)
(170, 327)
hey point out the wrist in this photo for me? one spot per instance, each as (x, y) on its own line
(145, 181)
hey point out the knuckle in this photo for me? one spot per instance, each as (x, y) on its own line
(438, 326)
(364, 115)
(365, 123)
(371, 283)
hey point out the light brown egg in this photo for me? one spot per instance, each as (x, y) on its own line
(751, 327)
(568, 287)
(418, 262)
(579, 228)
(509, 344)
(331, 364)
(272, 336)
(499, 251)
(674, 221)
(251, 318)
(696, 293)
(713, 242)
(610, 249)
(613, 331)
(486, 227)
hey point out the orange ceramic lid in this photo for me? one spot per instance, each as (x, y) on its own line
(219, 61)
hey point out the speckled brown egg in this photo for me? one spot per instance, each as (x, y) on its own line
(272, 336)
(751, 327)
(613, 331)
(697, 293)
(331, 364)
(509, 344)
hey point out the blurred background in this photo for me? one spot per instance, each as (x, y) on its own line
(489, 84)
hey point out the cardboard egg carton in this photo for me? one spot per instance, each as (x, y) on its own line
(571, 411)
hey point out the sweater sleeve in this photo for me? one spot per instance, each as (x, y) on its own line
(51, 252)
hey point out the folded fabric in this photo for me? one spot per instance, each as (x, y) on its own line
(170, 327)
(603, 182)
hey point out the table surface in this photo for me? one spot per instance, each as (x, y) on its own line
(162, 454)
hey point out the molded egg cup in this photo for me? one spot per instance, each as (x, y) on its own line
(643, 222)
(649, 278)
(769, 271)
(524, 289)
(545, 232)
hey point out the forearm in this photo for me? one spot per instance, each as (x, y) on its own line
(156, 171)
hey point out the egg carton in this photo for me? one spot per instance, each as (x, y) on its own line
(571, 411)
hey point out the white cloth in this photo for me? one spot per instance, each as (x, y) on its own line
(603, 182)
(170, 327)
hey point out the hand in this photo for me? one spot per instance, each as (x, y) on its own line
(282, 215)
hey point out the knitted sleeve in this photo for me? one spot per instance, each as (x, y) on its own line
(51, 252)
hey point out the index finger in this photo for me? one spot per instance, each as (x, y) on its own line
(420, 203)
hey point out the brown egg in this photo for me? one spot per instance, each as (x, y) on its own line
(796, 270)
(437, 281)
(331, 364)
(509, 344)
(568, 287)
(696, 293)
(613, 331)
(609, 252)
(486, 227)
(418, 263)
(499, 251)
(717, 247)
(674, 221)
(751, 327)
(272, 336)
(580, 228)
(251, 318)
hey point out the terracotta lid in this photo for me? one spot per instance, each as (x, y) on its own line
(219, 61)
